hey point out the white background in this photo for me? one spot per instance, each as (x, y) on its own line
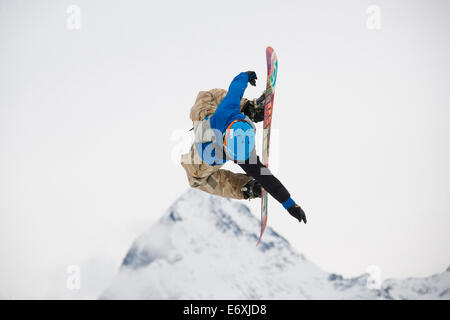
(90, 121)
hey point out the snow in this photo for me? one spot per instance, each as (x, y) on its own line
(204, 247)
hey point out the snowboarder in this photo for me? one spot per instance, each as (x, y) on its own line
(224, 130)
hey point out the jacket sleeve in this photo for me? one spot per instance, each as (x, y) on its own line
(232, 101)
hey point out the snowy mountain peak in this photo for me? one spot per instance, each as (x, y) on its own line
(204, 247)
(197, 222)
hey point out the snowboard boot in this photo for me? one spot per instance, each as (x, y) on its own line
(252, 189)
(254, 109)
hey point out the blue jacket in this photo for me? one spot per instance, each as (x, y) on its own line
(227, 111)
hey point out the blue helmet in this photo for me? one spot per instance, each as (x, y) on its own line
(239, 140)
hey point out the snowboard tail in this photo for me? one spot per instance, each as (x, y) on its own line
(272, 69)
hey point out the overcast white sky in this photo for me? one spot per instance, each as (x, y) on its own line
(88, 120)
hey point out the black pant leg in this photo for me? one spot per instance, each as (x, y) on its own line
(254, 168)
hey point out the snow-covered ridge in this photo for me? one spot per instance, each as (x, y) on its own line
(203, 247)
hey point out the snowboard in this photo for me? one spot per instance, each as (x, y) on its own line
(272, 68)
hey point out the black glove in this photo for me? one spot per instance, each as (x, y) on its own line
(252, 189)
(252, 77)
(297, 213)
